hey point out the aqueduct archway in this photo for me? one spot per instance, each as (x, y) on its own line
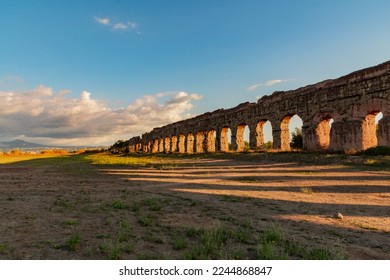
(337, 115)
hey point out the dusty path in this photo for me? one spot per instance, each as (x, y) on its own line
(65, 208)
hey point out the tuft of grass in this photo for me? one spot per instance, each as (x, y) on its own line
(125, 232)
(112, 251)
(211, 241)
(145, 220)
(119, 204)
(72, 242)
(179, 242)
(151, 237)
(71, 222)
(153, 204)
(62, 202)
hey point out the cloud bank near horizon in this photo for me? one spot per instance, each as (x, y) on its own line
(57, 119)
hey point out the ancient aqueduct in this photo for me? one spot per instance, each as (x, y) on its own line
(351, 101)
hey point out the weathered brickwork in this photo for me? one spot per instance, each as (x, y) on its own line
(352, 102)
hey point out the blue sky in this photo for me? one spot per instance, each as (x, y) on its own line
(76, 72)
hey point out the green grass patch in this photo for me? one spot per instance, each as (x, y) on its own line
(274, 246)
(2, 248)
(119, 204)
(72, 242)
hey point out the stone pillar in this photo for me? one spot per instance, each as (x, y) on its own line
(316, 136)
(199, 142)
(259, 135)
(346, 135)
(190, 143)
(223, 139)
(218, 140)
(253, 137)
(369, 138)
(210, 142)
(155, 146)
(276, 134)
(384, 131)
(161, 145)
(174, 144)
(167, 144)
(285, 136)
(233, 138)
(240, 142)
(181, 145)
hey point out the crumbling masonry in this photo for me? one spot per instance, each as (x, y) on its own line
(352, 102)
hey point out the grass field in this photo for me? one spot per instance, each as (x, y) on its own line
(221, 206)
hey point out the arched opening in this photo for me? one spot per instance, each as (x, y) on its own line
(295, 129)
(264, 139)
(190, 143)
(182, 148)
(167, 144)
(174, 144)
(242, 137)
(210, 141)
(199, 142)
(225, 139)
(370, 129)
(291, 125)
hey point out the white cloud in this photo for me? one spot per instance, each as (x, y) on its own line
(104, 21)
(117, 25)
(120, 26)
(124, 26)
(58, 119)
(268, 84)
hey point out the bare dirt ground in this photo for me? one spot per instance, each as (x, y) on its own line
(273, 206)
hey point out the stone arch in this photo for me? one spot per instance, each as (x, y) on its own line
(190, 143)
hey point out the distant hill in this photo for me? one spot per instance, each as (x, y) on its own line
(19, 144)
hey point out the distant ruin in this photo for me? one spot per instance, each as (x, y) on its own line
(351, 101)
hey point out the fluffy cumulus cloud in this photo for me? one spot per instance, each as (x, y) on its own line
(268, 84)
(55, 118)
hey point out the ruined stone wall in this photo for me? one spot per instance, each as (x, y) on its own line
(351, 101)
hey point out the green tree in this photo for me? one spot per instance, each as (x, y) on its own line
(296, 139)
